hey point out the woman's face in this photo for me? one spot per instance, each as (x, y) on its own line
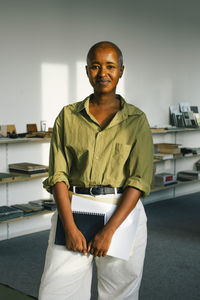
(104, 70)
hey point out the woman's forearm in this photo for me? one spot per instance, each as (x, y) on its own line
(129, 200)
(75, 240)
(61, 196)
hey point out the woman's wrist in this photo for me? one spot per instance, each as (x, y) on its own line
(109, 228)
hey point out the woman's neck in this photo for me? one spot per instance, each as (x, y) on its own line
(105, 100)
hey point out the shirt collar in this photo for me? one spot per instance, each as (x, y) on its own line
(123, 113)
(82, 105)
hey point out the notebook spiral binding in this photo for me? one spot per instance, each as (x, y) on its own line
(87, 213)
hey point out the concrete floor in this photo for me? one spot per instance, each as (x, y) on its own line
(7, 293)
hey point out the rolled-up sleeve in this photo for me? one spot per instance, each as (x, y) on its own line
(140, 163)
(58, 162)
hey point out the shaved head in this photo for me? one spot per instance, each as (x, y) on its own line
(105, 45)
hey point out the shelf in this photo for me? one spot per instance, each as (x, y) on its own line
(176, 157)
(161, 188)
(25, 217)
(24, 140)
(22, 177)
(166, 131)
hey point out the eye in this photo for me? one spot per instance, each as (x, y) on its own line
(110, 67)
(94, 67)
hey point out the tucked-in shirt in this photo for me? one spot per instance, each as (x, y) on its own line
(83, 154)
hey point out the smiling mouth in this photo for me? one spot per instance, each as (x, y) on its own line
(103, 82)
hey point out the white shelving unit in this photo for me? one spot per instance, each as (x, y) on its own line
(157, 192)
(22, 188)
(186, 137)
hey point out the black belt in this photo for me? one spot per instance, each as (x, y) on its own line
(96, 190)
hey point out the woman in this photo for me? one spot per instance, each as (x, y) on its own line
(103, 145)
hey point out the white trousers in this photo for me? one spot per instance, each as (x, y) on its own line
(67, 275)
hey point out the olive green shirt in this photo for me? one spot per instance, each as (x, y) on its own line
(82, 154)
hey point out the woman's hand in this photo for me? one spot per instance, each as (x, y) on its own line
(100, 243)
(76, 241)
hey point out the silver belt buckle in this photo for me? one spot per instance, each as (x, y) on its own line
(91, 191)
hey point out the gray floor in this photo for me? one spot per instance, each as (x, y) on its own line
(7, 293)
(172, 264)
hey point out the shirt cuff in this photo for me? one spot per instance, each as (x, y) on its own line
(52, 180)
(139, 184)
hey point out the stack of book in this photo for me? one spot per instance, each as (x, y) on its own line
(28, 208)
(28, 168)
(163, 156)
(167, 148)
(48, 204)
(7, 212)
(188, 175)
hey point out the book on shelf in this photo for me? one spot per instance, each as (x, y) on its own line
(167, 148)
(48, 204)
(7, 213)
(163, 156)
(28, 208)
(189, 119)
(184, 107)
(188, 175)
(184, 115)
(197, 118)
(27, 168)
(197, 165)
(196, 114)
(176, 117)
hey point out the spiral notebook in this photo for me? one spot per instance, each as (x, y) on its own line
(123, 238)
(87, 222)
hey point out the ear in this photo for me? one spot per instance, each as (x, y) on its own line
(86, 68)
(121, 71)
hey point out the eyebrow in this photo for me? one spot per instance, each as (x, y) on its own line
(108, 62)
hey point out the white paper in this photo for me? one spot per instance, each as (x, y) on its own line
(124, 236)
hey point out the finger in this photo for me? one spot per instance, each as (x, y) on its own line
(96, 252)
(100, 253)
(92, 250)
(84, 247)
(104, 253)
(89, 246)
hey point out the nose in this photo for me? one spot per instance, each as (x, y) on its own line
(102, 71)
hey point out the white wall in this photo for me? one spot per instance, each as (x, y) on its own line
(159, 39)
(43, 45)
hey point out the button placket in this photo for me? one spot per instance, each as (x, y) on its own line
(96, 155)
